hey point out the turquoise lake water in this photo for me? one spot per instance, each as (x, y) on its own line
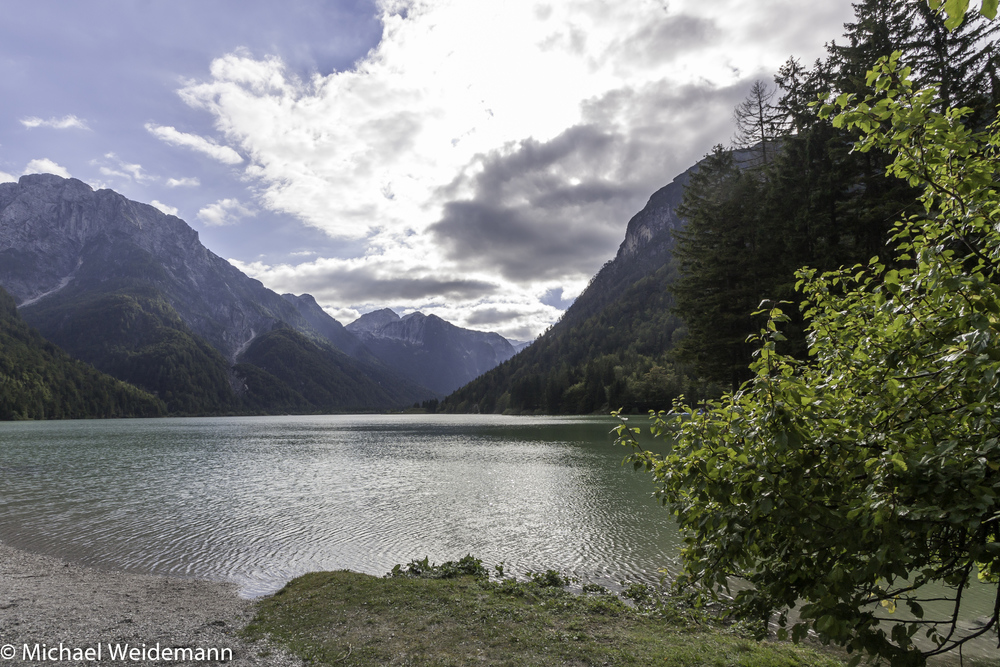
(259, 500)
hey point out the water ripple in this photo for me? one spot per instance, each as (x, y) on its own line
(260, 500)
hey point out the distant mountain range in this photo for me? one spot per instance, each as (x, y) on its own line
(427, 350)
(132, 291)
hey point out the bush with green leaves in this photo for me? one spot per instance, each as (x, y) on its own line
(864, 483)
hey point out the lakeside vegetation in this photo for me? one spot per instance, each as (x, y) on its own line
(455, 614)
(863, 476)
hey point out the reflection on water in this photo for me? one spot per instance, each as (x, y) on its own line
(259, 500)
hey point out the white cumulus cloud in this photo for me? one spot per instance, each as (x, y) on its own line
(46, 166)
(113, 166)
(6, 178)
(169, 210)
(66, 122)
(172, 135)
(187, 182)
(224, 212)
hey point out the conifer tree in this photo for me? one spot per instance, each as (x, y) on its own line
(719, 261)
(759, 123)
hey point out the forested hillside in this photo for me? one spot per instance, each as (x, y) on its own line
(610, 348)
(40, 381)
(790, 192)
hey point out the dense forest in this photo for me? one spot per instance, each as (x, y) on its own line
(789, 192)
(810, 199)
(40, 381)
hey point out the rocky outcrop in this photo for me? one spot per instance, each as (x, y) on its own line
(373, 321)
(326, 326)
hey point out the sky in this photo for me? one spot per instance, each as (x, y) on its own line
(474, 159)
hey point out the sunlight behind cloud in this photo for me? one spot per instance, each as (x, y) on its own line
(500, 147)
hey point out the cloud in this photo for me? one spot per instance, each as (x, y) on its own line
(169, 210)
(66, 122)
(224, 212)
(173, 136)
(355, 282)
(46, 166)
(187, 182)
(488, 154)
(401, 281)
(6, 178)
(120, 169)
(492, 316)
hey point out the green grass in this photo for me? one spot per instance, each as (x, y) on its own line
(346, 618)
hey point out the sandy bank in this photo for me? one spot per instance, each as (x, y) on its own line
(47, 601)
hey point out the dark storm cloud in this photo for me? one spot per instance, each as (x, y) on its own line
(492, 316)
(517, 242)
(662, 41)
(545, 210)
(542, 210)
(365, 285)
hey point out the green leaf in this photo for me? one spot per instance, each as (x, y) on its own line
(955, 9)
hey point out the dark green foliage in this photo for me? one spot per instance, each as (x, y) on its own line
(40, 381)
(137, 336)
(721, 255)
(284, 371)
(469, 565)
(866, 478)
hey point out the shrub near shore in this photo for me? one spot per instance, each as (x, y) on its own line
(455, 614)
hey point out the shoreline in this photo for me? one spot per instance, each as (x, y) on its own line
(50, 604)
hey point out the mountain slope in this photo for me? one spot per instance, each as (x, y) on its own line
(133, 291)
(609, 350)
(428, 350)
(283, 369)
(40, 381)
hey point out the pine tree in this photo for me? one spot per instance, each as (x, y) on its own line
(718, 254)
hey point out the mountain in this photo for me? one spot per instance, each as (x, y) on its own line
(428, 350)
(40, 381)
(610, 349)
(132, 291)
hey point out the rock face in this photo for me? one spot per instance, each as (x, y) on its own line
(133, 291)
(428, 350)
(58, 233)
(373, 321)
(657, 220)
(327, 327)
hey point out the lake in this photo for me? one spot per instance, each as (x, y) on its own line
(260, 500)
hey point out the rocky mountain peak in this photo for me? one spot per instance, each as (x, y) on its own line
(373, 321)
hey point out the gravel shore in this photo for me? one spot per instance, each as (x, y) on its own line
(49, 602)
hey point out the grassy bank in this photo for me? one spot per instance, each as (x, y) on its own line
(443, 615)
